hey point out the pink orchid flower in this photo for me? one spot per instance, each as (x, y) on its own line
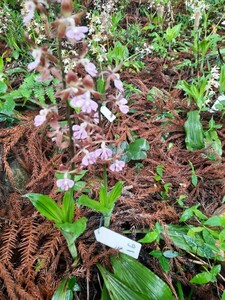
(79, 132)
(29, 7)
(118, 84)
(104, 152)
(36, 53)
(122, 105)
(85, 102)
(41, 118)
(117, 166)
(89, 158)
(65, 184)
(90, 68)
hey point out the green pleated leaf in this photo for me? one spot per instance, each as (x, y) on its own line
(140, 279)
(194, 131)
(115, 193)
(105, 294)
(93, 204)
(46, 206)
(117, 289)
(68, 207)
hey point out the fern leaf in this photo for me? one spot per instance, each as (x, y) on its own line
(39, 93)
(9, 243)
(50, 93)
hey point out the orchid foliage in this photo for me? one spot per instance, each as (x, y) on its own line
(74, 123)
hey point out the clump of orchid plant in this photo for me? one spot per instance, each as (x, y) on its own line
(80, 129)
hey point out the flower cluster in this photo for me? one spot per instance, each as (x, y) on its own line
(100, 21)
(198, 7)
(78, 93)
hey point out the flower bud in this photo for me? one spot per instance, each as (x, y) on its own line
(67, 8)
(71, 78)
(88, 82)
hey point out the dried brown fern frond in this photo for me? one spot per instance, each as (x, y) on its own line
(8, 243)
(23, 294)
(14, 207)
(9, 281)
(28, 247)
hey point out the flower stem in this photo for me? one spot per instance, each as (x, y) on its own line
(68, 108)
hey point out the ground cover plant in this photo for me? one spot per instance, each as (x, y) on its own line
(112, 122)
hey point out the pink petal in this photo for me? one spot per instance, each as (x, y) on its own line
(91, 69)
(124, 109)
(118, 84)
(39, 120)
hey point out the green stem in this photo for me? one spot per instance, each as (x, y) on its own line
(107, 220)
(105, 179)
(71, 244)
(105, 182)
(68, 108)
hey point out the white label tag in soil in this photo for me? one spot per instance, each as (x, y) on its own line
(107, 113)
(117, 241)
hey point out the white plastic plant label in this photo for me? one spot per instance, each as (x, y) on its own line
(107, 113)
(117, 241)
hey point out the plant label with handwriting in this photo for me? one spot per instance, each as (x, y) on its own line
(117, 241)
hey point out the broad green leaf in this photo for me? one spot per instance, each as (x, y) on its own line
(115, 193)
(194, 131)
(194, 179)
(68, 207)
(105, 294)
(159, 170)
(80, 175)
(117, 289)
(149, 237)
(215, 221)
(156, 253)
(60, 293)
(212, 140)
(164, 263)
(79, 185)
(141, 279)
(200, 215)
(93, 204)
(187, 214)
(46, 206)
(137, 149)
(8, 107)
(73, 285)
(76, 228)
(65, 289)
(223, 295)
(196, 245)
(202, 278)
(3, 87)
(170, 253)
(208, 237)
(103, 196)
(215, 270)
(172, 33)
